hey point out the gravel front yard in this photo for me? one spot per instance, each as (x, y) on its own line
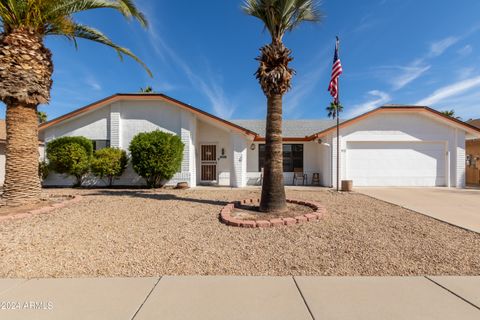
(170, 232)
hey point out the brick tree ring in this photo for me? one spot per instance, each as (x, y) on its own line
(227, 218)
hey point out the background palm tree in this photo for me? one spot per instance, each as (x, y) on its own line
(26, 76)
(42, 117)
(451, 113)
(147, 89)
(274, 76)
(334, 110)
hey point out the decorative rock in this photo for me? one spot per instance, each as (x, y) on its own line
(182, 185)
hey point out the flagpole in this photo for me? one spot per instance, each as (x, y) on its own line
(338, 124)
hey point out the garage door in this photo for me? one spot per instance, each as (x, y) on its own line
(396, 164)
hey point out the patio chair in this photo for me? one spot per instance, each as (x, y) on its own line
(298, 174)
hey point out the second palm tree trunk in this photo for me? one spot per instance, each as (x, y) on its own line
(273, 190)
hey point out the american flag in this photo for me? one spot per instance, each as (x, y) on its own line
(336, 72)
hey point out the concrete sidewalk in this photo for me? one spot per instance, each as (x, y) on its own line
(460, 207)
(302, 298)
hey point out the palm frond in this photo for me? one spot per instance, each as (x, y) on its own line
(88, 33)
(280, 16)
(55, 17)
(334, 110)
(126, 7)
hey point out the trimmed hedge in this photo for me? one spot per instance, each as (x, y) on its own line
(70, 155)
(109, 163)
(156, 156)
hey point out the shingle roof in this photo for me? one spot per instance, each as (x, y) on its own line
(475, 123)
(291, 128)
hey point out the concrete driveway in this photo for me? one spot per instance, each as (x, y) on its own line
(460, 207)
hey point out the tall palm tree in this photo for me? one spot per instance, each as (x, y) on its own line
(26, 76)
(274, 76)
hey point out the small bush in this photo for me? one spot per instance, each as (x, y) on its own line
(156, 156)
(109, 163)
(43, 170)
(70, 155)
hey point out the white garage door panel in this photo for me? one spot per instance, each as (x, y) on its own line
(396, 163)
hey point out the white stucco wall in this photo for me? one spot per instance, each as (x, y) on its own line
(314, 156)
(403, 127)
(238, 173)
(120, 122)
(94, 125)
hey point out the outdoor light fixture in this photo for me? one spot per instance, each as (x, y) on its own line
(223, 151)
(319, 141)
(252, 146)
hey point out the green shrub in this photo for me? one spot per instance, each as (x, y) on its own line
(70, 155)
(43, 170)
(109, 163)
(156, 156)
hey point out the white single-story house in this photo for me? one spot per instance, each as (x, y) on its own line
(393, 145)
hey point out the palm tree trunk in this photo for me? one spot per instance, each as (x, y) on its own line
(22, 183)
(273, 190)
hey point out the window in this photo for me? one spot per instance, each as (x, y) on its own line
(100, 144)
(292, 157)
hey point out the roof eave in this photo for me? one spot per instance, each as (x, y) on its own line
(394, 108)
(154, 96)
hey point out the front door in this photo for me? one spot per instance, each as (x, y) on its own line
(208, 163)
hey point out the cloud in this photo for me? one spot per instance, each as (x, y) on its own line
(301, 90)
(208, 85)
(401, 76)
(465, 105)
(438, 48)
(408, 74)
(450, 91)
(367, 22)
(92, 82)
(221, 105)
(464, 73)
(377, 99)
(465, 51)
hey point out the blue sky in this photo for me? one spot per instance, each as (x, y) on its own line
(202, 52)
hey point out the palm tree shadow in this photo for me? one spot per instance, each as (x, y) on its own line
(155, 196)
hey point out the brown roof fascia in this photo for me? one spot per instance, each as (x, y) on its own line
(394, 108)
